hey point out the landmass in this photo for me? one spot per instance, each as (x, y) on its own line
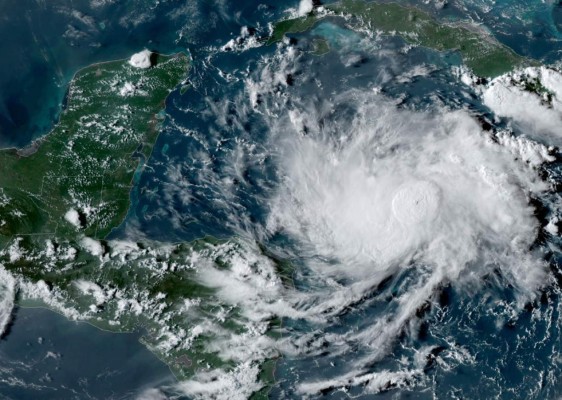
(480, 51)
(77, 179)
(63, 195)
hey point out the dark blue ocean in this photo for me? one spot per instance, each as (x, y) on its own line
(49, 357)
(46, 42)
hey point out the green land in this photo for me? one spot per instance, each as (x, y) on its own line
(87, 165)
(480, 51)
(88, 161)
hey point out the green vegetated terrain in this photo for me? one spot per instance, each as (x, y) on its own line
(146, 286)
(62, 196)
(87, 162)
(480, 51)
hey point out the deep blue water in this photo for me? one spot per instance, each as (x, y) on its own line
(49, 357)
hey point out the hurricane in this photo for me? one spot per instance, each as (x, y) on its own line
(384, 208)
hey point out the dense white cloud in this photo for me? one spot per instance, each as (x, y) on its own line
(237, 384)
(91, 245)
(73, 217)
(92, 289)
(305, 6)
(532, 98)
(398, 186)
(7, 298)
(141, 59)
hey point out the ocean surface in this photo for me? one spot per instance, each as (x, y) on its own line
(49, 357)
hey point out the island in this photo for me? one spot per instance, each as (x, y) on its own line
(480, 51)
